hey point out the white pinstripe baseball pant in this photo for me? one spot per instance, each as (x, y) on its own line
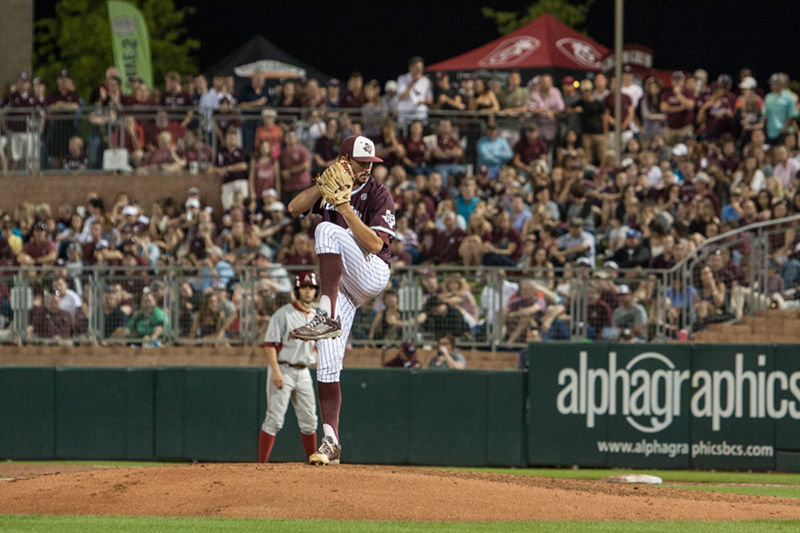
(364, 276)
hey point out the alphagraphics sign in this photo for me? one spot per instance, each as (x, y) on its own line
(650, 400)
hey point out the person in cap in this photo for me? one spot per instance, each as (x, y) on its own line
(779, 109)
(714, 118)
(24, 146)
(493, 150)
(576, 243)
(352, 243)
(389, 99)
(629, 314)
(407, 358)
(415, 93)
(40, 250)
(677, 103)
(334, 93)
(571, 97)
(231, 164)
(747, 88)
(288, 375)
(633, 253)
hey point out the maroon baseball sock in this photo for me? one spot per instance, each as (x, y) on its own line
(330, 273)
(265, 442)
(330, 401)
(309, 443)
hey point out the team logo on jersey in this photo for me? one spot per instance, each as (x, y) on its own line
(511, 51)
(389, 218)
(363, 196)
(580, 51)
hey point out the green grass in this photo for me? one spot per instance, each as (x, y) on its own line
(89, 524)
(95, 463)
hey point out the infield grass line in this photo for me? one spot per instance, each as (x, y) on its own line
(146, 524)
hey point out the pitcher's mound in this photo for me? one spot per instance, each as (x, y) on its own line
(356, 492)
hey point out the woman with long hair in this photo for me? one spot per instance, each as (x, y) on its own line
(650, 115)
(264, 171)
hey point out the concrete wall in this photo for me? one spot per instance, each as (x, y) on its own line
(16, 40)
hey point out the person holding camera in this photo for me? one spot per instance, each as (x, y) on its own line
(447, 357)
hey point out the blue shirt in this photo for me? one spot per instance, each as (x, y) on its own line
(729, 213)
(777, 109)
(493, 153)
(464, 208)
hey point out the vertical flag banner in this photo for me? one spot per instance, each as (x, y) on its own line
(131, 44)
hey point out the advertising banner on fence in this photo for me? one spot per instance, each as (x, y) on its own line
(131, 44)
(660, 406)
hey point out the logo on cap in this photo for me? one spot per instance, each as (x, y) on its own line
(367, 147)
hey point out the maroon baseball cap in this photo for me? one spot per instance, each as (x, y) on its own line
(359, 148)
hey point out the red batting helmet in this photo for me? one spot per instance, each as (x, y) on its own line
(305, 279)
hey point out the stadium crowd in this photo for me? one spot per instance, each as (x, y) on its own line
(516, 181)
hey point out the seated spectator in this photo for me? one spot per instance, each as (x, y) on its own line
(295, 161)
(147, 324)
(76, 158)
(446, 242)
(525, 310)
(49, 321)
(209, 321)
(114, 315)
(468, 198)
(448, 153)
(529, 150)
(388, 324)
(447, 357)
(576, 243)
(129, 136)
(407, 358)
(225, 118)
(326, 147)
(417, 153)
(388, 146)
(633, 253)
(438, 318)
(505, 247)
(161, 124)
(456, 292)
(629, 315)
(164, 157)
(40, 250)
(478, 234)
(711, 297)
(493, 150)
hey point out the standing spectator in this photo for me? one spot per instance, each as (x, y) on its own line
(546, 103)
(448, 152)
(514, 99)
(715, 114)
(61, 106)
(417, 152)
(326, 148)
(446, 97)
(593, 127)
(372, 109)
(482, 98)
(295, 164)
(630, 87)
(389, 100)
(493, 151)
(626, 114)
(231, 164)
(353, 97)
(415, 94)
(270, 132)
(176, 97)
(334, 93)
(447, 357)
(677, 104)
(264, 172)
(629, 315)
(780, 109)
(24, 144)
(650, 115)
(252, 100)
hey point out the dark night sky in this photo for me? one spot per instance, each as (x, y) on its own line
(378, 37)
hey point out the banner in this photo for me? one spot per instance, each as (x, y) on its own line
(662, 406)
(131, 44)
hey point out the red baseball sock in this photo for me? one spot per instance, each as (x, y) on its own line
(330, 273)
(309, 443)
(330, 402)
(265, 442)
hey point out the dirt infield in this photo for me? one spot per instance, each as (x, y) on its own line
(359, 492)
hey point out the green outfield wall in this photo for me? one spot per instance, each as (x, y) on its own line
(627, 405)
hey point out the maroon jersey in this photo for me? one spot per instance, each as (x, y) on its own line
(677, 119)
(227, 157)
(529, 152)
(374, 206)
(56, 96)
(608, 102)
(445, 246)
(37, 250)
(176, 99)
(415, 151)
(446, 143)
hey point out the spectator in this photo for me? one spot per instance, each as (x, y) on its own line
(505, 247)
(493, 150)
(333, 93)
(326, 148)
(633, 253)
(231, 164)
(24, 146)
(598, 313)
(482, 99)
(209, 322)
(147, 324)
(252, 101)
(353, 97)
(164, 157)
(780, 109)
(414, 93)
(40, 250)
(546, 102)
(446, 97)
(514, 98)
(447, 357)
(76, 158)
(388, 324)
(49, 321)
(438, 318)
(389, 100)
(372, 112)
(677, 104)
(417, 152)
(295, 164)
(593, 128)
(388, 146)
(576, 243)
(61, 106)
(270, 132)
(264, 172)
(448, 152)
(162, 124)
(407, 358)
(629, 315)
(226, 118)
(711, 297)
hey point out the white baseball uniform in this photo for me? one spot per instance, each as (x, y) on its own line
(294, 358)
(364, 275)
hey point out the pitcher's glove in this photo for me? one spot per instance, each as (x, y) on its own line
(336, 183)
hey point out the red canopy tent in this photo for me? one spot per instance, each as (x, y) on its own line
(544, 44)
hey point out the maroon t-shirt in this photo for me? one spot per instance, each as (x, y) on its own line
(37, 250)
(445, 246)
(227, 157)
(351, 100)
(56, 96)
(374, 206)
(446, 143)
(176, 99)
(608, 101)
(290, 158)
(18, 121)
(502, 240)
(326, 148)
(677, 119)
(415, 151)
(529, 152)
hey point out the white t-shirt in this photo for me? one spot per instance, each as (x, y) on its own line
(70, 302)
(413, 108)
